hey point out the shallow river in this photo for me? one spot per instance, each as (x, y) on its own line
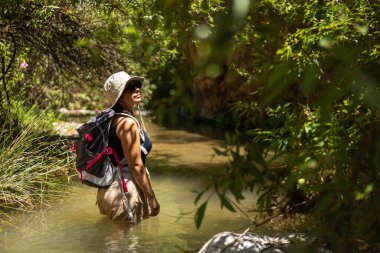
(178, 163)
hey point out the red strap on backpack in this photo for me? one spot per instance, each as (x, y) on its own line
(113, 152)
(96, 158)
(110, 151)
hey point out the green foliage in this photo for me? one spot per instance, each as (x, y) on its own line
(299, 79)
(298, 161)
(34, 163)
(69, 47)
(306, 139)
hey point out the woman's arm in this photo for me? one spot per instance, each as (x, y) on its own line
(127, 132)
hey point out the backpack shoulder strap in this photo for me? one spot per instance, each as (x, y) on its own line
(129, 116)
(141, 132)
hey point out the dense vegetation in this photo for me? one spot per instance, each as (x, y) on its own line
(299, 79)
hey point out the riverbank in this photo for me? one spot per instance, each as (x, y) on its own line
(34, 165)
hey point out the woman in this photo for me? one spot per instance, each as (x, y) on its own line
(132, 145)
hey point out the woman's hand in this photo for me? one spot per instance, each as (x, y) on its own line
(154, 206)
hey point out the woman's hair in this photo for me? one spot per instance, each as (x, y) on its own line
(117, 107)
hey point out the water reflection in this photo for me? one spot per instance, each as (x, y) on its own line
(178, 163)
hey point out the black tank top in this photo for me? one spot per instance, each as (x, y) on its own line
(115, 143)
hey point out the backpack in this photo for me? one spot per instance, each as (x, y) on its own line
(92, 160)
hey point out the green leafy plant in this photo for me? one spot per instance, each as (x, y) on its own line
(34, 165)
(306, 141)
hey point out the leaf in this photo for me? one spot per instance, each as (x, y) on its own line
(225, 202)
(198, 197)
(53, 7)
(369, 188)
(280, 51)
(198, 218)
(83, 42)
(220, 152)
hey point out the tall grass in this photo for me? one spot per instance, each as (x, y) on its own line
(33, 165)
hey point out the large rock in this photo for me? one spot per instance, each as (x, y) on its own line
(228, 242)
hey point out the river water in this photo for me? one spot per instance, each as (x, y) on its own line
(178, 164)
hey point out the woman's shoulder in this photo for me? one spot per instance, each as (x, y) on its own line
(124, 122)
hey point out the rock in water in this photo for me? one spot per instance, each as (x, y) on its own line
(228, 242)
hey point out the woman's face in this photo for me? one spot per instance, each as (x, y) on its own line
(132, 94)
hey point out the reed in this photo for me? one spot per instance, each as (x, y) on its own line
(33, 166)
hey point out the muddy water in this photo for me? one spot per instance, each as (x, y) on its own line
(178, 163)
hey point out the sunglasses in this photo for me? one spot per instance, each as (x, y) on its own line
(132, 86)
